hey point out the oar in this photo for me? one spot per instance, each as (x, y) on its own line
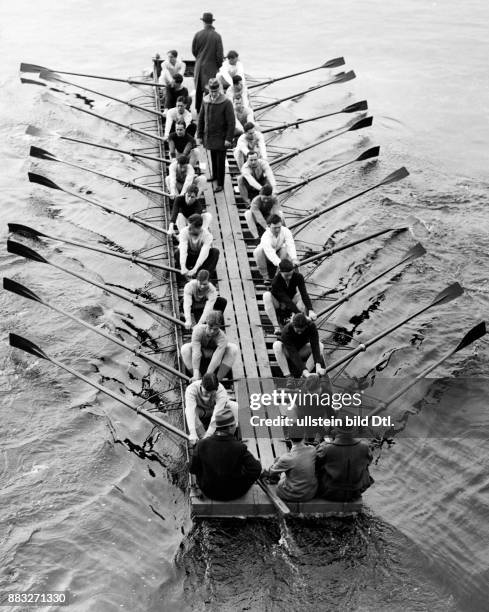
(342, 77)
(16, 248)
(343, 247)
(474, 334)
(416, 251)
(34, 131)
(45, 182)
(368, 154)
(35, 68)
(29, 347)
(18, 289)
(362, 123)
(279, 505)
(50, 88)
(352, 108)
(29, 232)
(448, 294)
(39, 153)
(47, 75)
(392, 178)
(332, 63)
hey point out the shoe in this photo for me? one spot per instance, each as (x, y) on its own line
(218, 188)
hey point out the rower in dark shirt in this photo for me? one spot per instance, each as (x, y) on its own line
(181, 143)
(184, 207)
(288, 293)
(299, 348)
(173, 92)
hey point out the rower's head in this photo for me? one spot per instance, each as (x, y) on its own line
(238, 84)
(299, 323)
(249, 129)
(180, 128)
(195, 223)
(238, 103)
(182, 160)
(208, 385)
(266, 193)
(252, 159)
(214, 322)
(232, 57)
(191, 194)
(275, 224)
(181, 104)
(214, 90)
(203, 279)
(178, 80)
(172, 56)
(225, 421)
(286, 269)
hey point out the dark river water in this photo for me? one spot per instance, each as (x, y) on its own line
(91, 496)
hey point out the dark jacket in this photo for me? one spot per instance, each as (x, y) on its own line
(293, 342)
(224, 467)
(216, 122)
(209, 55)
(284, 293)
(343, 468)
(180, 206)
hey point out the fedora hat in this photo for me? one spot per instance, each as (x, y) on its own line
(207, 18)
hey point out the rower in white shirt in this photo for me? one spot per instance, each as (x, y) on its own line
(231, 67)
(277, 243)
(170, 67)
(251, 140)
(178, 113)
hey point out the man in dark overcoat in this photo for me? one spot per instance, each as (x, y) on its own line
(209, 54)
(215, 129)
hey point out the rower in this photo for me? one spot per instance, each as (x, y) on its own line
(184, 206)
(251, 140)
(181, 143)
(171, 67)
(299, 349)
(204, 400)
(209, 344)
(181, 175)
(231, 67)
(238, 88)
(288, 293)
(243, 114)
(173, 92)
(254, 174)
(179, 112)
(196, 251)
(224, 467)
(277, 243)
(200, 298)
(263, 206)
(297, 470)
(343, 466)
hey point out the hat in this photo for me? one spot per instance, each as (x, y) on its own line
(215, 318)
(232, 53)
(225, 419)
(207, 18)
(285, 265)
(213, 84)
(249, 125)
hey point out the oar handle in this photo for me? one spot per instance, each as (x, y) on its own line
(279, 505)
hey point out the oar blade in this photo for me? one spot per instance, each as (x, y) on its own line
(416, 251)
(334, 63)
(49, 75)
(25, 81)
(42, 180)
(368, 154)
(24, 230)
(16, 248)
(363, 123)
(450, 293)
(23, 344)
(41, 153)
(357, 106)
(31, 67)
(395, 176)
(342, 77)
(32, 130)
(474, 334)
(15, 287)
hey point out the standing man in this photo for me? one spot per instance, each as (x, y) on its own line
(209, 54)
(215, 129)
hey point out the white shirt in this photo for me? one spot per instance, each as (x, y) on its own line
(271, 244)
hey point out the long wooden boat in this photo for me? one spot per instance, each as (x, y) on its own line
(247, 326)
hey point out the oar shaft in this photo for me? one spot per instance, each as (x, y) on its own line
(314, 177)
(286, 156)
(119, 80)
(282, 78)
(145, 413)
(122, 125)
(160, 160)
(284, 126)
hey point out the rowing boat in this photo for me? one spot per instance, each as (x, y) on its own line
(239, 282)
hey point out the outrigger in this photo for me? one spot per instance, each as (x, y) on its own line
(239, 281)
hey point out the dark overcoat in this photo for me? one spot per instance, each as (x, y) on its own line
(216, 122)
(209, 55)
